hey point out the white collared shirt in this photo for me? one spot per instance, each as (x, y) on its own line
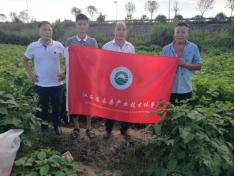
(46, 62)
(126, 48)
(81, 39)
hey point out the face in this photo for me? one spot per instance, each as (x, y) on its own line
(120, 31)
(181, 34)
(82, 26)
(45, 32)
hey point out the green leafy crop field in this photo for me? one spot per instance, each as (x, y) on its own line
(195, 139)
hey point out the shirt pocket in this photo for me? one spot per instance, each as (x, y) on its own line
(188, 57)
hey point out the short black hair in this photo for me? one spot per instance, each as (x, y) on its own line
(182, 24)
(42, 23)
(81, 17)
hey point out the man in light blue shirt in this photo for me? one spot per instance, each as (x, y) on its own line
(189, 59)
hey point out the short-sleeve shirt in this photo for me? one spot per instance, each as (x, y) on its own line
(46, 62)
(126, 48)
(87, 41)
(183, 78)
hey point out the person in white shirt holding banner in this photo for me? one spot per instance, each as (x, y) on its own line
(81, 39)
(118, 44)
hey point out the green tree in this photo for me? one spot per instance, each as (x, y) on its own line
(204, 5)
(101, 18)
(12, 15)
(161, 18)
(23, 16)
(144, 17)
(162, 34)
(3, 17)
(17, 20)
(75, 11)
(152, 7)
(130, 8)
(176, 7)
(230, 5)
(198, 18)
(129, 17)
(58, 29)
(92, 10)
(178, 17)
(220, 16)
(32, 19)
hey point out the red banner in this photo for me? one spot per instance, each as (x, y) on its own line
(119, 86)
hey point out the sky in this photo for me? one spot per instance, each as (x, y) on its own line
(51, 10)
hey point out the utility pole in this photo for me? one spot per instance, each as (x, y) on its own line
(169, 9)
(27, 10)
(116, 8)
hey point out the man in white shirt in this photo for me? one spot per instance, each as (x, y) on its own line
(47, 76)
(118, 44)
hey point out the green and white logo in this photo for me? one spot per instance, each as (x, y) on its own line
(121, 78)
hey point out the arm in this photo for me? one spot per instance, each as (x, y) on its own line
(67, 43)
(196, 63)
(61, 76)
(104, 47)
(133, 49)
(193, 66)
(96, 45)
(163, 53)
(32, 75)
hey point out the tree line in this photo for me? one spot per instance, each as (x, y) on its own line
(151, 6)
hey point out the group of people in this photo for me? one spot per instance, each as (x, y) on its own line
(48, 78)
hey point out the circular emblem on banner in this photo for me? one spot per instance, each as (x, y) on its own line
(121, 78)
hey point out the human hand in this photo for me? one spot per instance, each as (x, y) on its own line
(181, 62)
(34, 77)
(61, 76)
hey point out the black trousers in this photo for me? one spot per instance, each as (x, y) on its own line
(109, 125)
(179, 97)
(53, 95)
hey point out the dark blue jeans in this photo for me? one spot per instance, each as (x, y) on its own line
(53, 94)
(109, 125)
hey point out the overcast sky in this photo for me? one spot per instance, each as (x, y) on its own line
(52, 10)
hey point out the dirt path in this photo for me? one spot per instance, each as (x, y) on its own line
(96, 155)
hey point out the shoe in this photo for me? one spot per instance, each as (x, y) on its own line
(58, 130)
(74, 134)
(42, 129)
(126, 133)
(90, 134)
(106, 135)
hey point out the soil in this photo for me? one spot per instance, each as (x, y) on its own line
(98, 157)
